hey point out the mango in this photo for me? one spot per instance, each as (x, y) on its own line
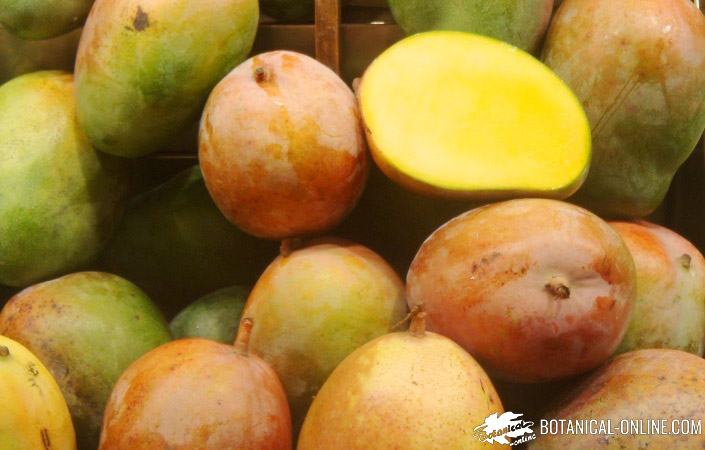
(215, 316)
(638, 68)
(60, 200)
(477, 119)
(197, 394)
(43, 19)
(34, 414)
(315, 306)
(18, 56)
(521, 23)
(641, 386)
(86, 328)
(145, 67)
(406, 390)
(177, 246)
(282, 148)
(670, 304)
(536, 290)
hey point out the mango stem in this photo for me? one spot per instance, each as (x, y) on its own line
(558, 286)
(4, 351)
(242, 342)
(418, 321)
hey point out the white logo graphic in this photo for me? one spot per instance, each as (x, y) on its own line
(508, 425)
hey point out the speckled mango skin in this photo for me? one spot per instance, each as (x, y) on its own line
(34, 414)
(176, 245)
(18, 56)
(282, 147)
(145, 67)
(43, 19)
(670, 304)
(214, 316)
(638, 67)
(402, 391)
(87, 328)
(316, 306)
(60, 200)
(650, 384)
(521, 23)
(197, 394)
(484, 276)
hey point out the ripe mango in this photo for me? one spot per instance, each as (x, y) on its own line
(670, 285)
(145, 67)
(412, 390)
(536, 290)
(638, 68)
(87, 328)
(313, 307)
(60, 200)
(33, 414)
(477, 119)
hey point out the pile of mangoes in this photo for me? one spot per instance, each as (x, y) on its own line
(504, 156)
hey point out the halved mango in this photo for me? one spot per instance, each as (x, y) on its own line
(462, 115)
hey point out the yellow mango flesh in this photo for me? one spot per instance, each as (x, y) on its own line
(33, 414)
(466, 115)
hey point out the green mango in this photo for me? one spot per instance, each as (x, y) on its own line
(215, 316)
(60, 200)
(86, 328)
(144, 68)
(18, 56)
(638, 68)
(177, 245)
(43, 19)
(521, 23)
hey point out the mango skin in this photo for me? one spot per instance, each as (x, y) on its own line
(402, 391)
(18, 56)
(87, 328)
(43, 19)
(34, 414)
(61, 199)
(176, 245)
(485, 279)
(215, 316)
(670, 304)
(315, 306)
(197, 394)
(638, 67)
(655, 384)
(145, 67)
(521, 23)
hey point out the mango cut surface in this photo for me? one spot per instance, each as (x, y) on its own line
(462, 115)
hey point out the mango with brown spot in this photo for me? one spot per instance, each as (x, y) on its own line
(198, 394)
(670, 284)
(145, 67)
(33, 414)
(282, 147)
(412, 390)
(86, 328)
(640, 386)
(315, 306)
(536, 290)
